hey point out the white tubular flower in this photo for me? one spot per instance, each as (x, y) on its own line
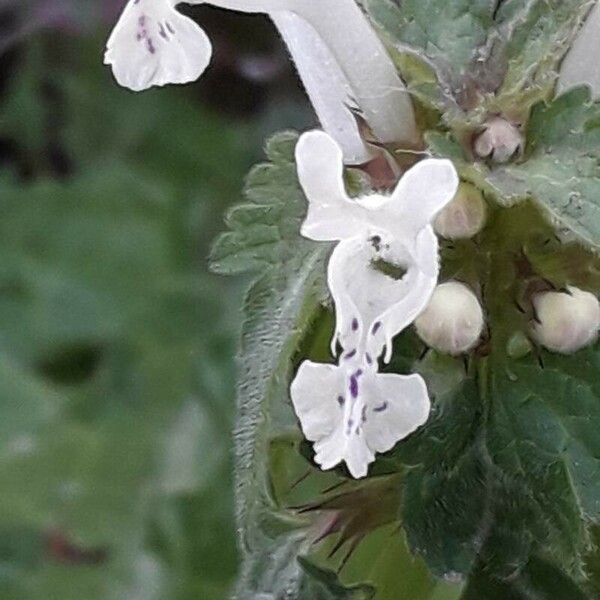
(383, 271)
(581, 65)
(464, 217)
(453, 320)
(325, 84)
(153, 44)
(568, 321)
(351, 412)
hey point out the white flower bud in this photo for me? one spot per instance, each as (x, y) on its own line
(464, 217)
(568, 321)
(501, 140)
(453, 320)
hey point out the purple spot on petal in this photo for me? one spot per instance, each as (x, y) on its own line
(350, 424)
(169, 27)
(341, 400)
(363, 414)
(358, 373)
(354, 386)
(162, 32)
(142, 20)
(376, 327)
(369, 359)
(150, 45)
(355, 324)
(381, 408)
(351, 353)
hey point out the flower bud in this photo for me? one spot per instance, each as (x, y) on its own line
(567, 321)
(453, 320)
(464, 216)
(500, 140)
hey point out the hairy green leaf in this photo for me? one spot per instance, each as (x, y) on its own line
(278, 309)
(486, 56)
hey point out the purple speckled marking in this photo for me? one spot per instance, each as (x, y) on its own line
(358, 373)
(355, 324)
(350, 354)
(354, 386)
(341, 400)
(350, 424)
(363, 414)
(369, 359)
(381, 408)
(376, 327)
(169, 27)
(150, 45)
(162, 32)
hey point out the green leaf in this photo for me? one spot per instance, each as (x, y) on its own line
(278, 309)
(265, 229)
(486, 56)
(540, 580)
(508, 467)
(560, 170)
(542, 34)
(324, 585)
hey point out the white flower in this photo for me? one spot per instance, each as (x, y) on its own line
(351, 412)
(464, 217)
(385, 268)
(453, 320)
(381, 275)
(568, 321)
(581, 66)
(153, 44)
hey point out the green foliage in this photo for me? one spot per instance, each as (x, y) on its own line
(559, 171)
(115, 354)
(466, 58)
(506, 471)
(279, 307)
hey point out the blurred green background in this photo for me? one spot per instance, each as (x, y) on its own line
(117, 347)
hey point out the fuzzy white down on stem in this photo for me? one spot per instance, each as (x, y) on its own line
(153, 44)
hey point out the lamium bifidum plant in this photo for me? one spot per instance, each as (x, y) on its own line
(419, 386)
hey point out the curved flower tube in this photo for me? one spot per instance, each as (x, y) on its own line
(581, 65)
(382, 273)
(153, 44)
(325, 84)
(351, 412)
